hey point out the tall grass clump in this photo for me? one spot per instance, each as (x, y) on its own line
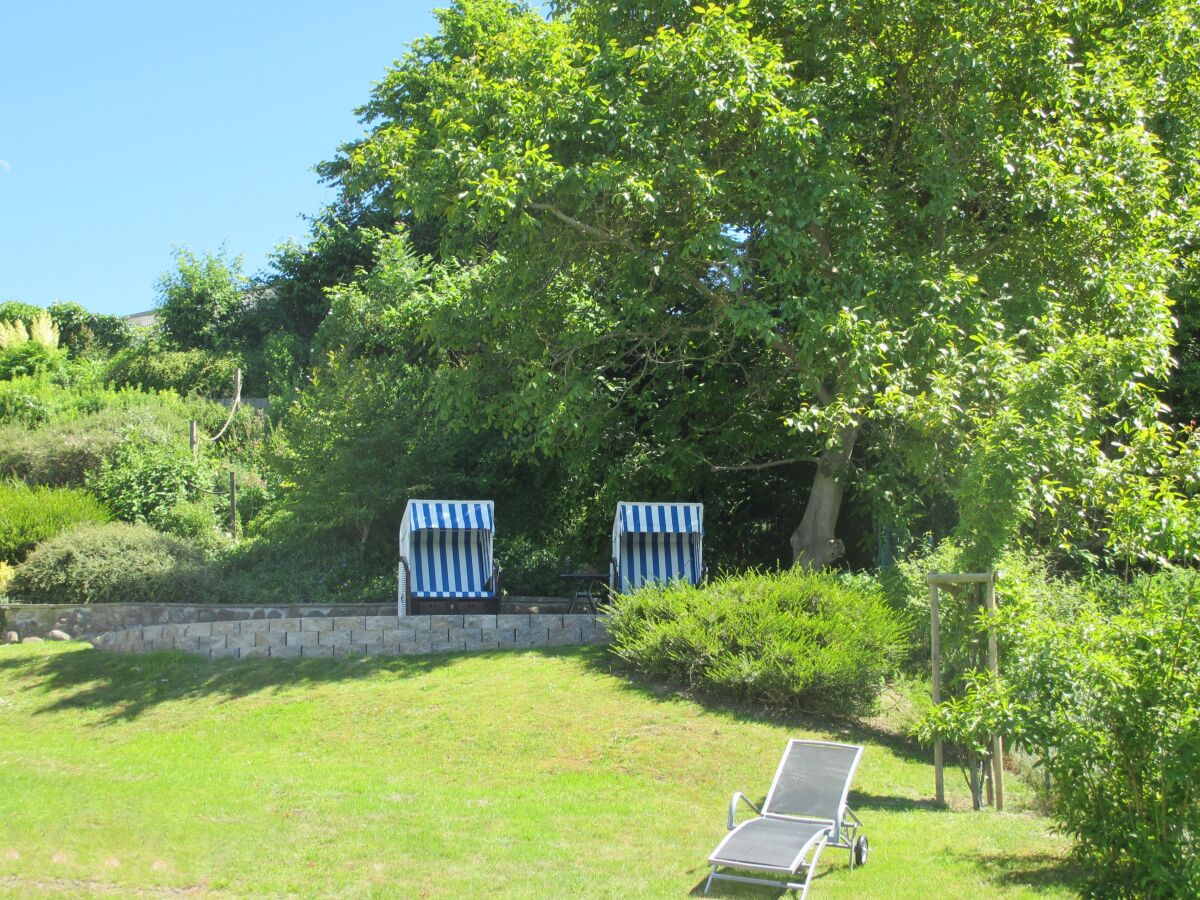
(31, 514)
(793, 640)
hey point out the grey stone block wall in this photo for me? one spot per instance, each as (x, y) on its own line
(85, 620)
(355, 635)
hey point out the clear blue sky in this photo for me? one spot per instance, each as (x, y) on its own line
(127, 128)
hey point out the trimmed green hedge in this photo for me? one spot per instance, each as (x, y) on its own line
(114, 563)
(794, 640)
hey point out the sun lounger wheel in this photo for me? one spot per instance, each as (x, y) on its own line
(862, 850)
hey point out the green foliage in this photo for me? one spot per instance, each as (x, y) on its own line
(114, 563)
(83, 332)
(1026, 579)
(792, 640)
(530, 567)
(33, 401)
(201, 301)
(935, 257)
(15, 310)
(31, 358)
(198, 372)
(196, 522)
(142, 479)
(283, 356)
(61, 434)
(297, 301)
(291, 567)
(62, 453)
(1110, 705)
(30, 515)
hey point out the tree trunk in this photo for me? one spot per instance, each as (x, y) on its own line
(814, 544)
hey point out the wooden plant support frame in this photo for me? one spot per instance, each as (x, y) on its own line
(936, 581)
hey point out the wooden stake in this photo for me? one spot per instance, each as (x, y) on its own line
(989, 602)
(193, 440)
(935, 653)
(233, 522)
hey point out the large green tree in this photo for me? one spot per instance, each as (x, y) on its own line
(920, 248)
(201, 301)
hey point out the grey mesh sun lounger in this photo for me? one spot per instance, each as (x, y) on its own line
(805, 812)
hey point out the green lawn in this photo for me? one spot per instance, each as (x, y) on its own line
(517, 773)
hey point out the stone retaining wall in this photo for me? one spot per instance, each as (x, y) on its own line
(84, 621)
(356, 635)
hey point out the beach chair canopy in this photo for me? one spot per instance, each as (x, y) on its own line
(657, 542)
(804, 812)
(446, 550)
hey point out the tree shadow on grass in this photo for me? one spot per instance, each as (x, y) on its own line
(126, 686)
(851, 731)
(1036, 871)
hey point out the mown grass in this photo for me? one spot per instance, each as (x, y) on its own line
(495, 774)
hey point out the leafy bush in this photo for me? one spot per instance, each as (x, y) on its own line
(82, 428)
(31, 358)
(199, 372)
(1025, 579)
(59, 454)
(30, 515)
(531, 568)
(12, 310)
(193, 520)
(795, 639)
(40, 400)
(142, 479)
(202, 301)
(295, 568)
(114, 563)
(64, 452)
(81, 331)
(1110, 704)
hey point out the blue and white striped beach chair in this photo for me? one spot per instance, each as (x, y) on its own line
(657, 542)
(446, 562)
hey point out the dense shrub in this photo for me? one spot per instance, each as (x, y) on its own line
(34, 401)
(30, 515)
(70, 433)
(1110, 705)
(114, 563)
(12, 310)
(31, 358)
(531, 567)
(194, 520)
(142, 479)
(796, 639)
(1025, 579)
(199, 372)
(64, 452)
(83, 332)
(293, 568)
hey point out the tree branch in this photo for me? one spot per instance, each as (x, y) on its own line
(590, 229)
(756, 467)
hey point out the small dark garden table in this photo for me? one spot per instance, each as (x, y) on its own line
(586, 588)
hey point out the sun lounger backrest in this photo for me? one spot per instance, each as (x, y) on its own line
(812, 780)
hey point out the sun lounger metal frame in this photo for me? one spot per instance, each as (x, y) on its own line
(839, 830)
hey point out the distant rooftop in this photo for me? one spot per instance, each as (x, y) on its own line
(143, 319)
